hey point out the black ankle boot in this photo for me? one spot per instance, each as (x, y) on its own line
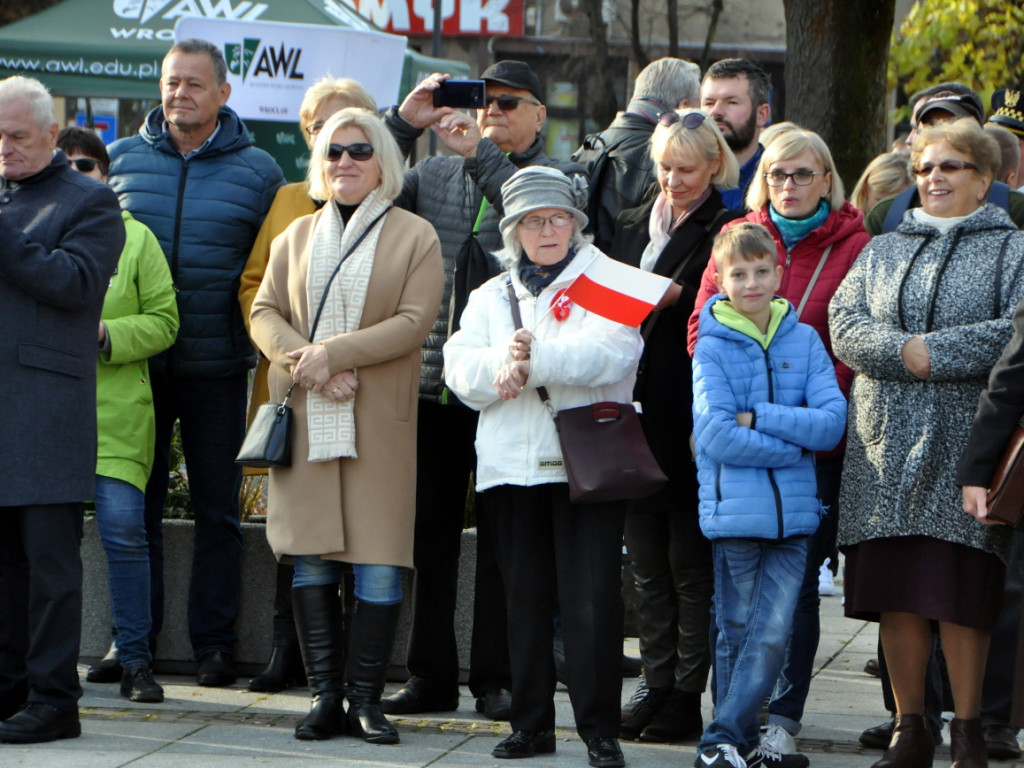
(373, 634)
(318, 622)
(284, 668)
(911, 746)
(967, 743)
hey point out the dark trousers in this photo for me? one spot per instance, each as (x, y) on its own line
(212, 416)
(41, 602)
(445, 458)
(557, 555)
(997, 691)
(672, 566)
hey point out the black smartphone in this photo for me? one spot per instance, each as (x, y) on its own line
(461, 94)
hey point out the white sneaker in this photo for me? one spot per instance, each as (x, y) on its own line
(720, 756)
(826, 585)
(777, 739)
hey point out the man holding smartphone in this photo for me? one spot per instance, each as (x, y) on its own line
(461, 196)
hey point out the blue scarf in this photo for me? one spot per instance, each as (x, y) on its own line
(536, 277)
(795, 230)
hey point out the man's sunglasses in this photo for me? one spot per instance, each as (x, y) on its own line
(507, 103)
(691, 120)
(84, 164)
(359, 151)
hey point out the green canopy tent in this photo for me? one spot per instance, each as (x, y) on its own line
(113, 49)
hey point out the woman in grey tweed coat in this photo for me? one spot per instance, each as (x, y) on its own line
(921, 318)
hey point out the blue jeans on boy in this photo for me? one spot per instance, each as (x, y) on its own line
(121, 518)
(786, 707)
(757, 584)
(380, 584)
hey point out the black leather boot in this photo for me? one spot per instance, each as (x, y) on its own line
(911, 746)
(318, 621)
(284, 668)
(967, 743)
(373, 634)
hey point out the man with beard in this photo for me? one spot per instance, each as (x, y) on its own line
(735, 92)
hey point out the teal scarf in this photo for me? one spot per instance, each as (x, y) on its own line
(795, 230)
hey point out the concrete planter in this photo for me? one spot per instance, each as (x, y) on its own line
(254, 626)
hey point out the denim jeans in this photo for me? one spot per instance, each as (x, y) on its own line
(212, 416)
(121, 517)
(379, 584)
(757, 584)
(787, 705)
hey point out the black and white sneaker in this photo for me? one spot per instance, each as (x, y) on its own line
(769, 758)
(720, 756)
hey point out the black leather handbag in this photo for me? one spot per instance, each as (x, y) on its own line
(268, 441)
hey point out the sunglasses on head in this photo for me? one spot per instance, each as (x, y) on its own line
(359, 151)
(84, 164)
(507, 103)
(946, 166)
(691, 120)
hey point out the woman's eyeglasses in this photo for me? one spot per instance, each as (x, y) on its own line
(946, 166)
(802, 177)
(507, 103)
(691, 120)
(84, 164)
(359, 151)
(556, 220)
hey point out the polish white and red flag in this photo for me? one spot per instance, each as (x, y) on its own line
(617, 291)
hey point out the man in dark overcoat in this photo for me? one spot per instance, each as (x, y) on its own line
(60, 237)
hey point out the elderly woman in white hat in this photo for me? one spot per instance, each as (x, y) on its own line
(553, 554)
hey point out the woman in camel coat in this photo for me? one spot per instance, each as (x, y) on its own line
(349, 496)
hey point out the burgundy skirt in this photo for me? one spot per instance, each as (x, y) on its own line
(928, 577)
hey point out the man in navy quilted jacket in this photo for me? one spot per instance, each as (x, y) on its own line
(193, 177)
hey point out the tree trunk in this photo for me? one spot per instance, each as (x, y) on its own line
(673, 28)
(705, 56)
(604, 104)
(639, 54)
(836, 55)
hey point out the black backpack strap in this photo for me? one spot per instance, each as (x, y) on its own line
(899, 206)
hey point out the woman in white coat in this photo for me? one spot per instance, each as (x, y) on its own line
(552, 553)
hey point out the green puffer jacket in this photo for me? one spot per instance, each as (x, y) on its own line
(141, 316)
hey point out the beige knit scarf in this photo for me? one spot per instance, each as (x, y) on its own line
(331, 425)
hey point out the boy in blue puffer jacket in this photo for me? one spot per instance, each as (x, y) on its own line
(765, 398)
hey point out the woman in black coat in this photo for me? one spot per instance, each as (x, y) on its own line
(1000, 410)
(671, 235)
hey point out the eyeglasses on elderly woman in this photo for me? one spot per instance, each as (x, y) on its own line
(556, 220)
(359, 151)
(946, 166)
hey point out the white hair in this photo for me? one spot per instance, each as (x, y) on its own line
(35, 93)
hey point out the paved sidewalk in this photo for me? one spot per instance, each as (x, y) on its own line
(221, 728)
